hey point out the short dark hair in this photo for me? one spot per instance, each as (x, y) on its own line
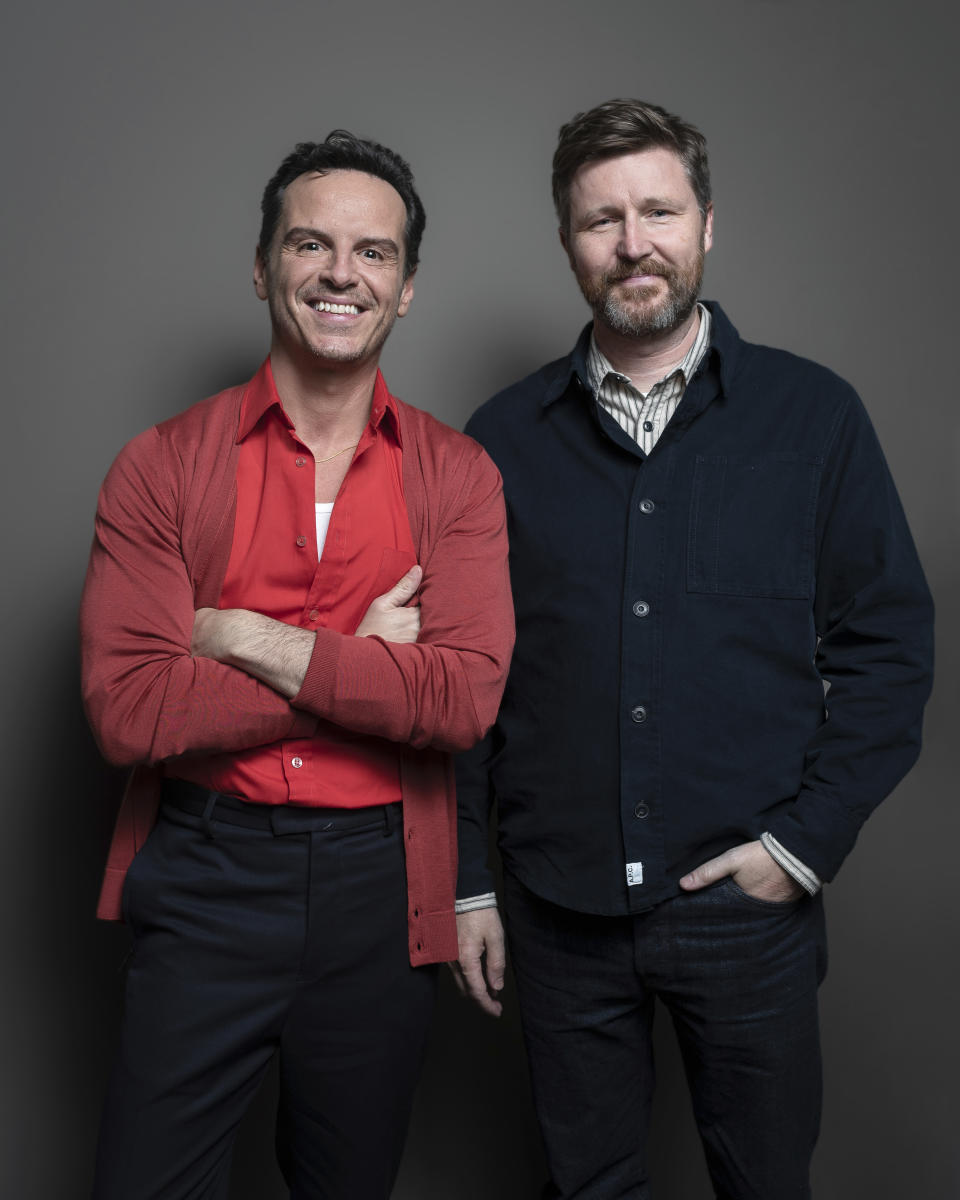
(624, 127)
(343, 151)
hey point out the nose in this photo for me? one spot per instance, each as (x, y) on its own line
(339, 269)
(634, 240)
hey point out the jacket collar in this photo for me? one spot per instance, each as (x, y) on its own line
(725, 345)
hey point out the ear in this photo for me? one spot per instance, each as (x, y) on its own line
(708, 229)
(259, 275)
(406, 295)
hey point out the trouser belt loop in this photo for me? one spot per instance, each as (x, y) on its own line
(208, 825)
(389, 819)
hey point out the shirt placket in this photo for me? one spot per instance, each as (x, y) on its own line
(641, 807)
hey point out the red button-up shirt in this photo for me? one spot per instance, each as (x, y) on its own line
(274, 569)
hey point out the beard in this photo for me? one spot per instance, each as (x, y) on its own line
(630, 312)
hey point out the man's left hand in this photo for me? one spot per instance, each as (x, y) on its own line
(752, 869)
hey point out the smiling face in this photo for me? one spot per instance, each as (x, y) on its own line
(636, 241)
(333, 274)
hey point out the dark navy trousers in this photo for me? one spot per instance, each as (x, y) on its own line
(739, 977)
(249, 942)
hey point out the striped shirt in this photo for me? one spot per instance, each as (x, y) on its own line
(644, 417)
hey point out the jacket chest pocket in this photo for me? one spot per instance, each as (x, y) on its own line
(752, 521)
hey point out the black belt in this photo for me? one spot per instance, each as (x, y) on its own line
(216, 808)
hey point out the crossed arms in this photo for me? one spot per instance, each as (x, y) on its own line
(154, 687)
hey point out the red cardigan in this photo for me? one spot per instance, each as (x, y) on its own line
(163, 536)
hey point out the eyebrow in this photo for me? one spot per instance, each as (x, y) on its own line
(301, 232)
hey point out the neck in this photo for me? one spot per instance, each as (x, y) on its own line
(648, 358)
(329, 405)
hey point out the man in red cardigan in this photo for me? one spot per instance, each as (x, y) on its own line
(297, 607)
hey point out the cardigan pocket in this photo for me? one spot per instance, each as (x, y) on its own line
(752, 525)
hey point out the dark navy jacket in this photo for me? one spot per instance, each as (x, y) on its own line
(680, 617)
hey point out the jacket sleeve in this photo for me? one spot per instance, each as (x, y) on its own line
(475, 796)
(874, 623)
(444, 690)
(146, 698)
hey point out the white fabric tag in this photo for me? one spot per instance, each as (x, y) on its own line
(634, 874)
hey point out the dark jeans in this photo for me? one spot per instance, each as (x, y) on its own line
(250, 942)
(739, 977)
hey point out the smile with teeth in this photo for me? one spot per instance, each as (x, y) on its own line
(326, 306)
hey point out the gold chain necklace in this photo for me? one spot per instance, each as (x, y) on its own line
(338, 453)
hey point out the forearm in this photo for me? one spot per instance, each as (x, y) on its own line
(275, 653)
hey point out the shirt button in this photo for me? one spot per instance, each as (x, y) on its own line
(301, 540)
(296, 762)
(300, 461)
(647, 506)
(641, 608)
(314, 614)
(641, 811)
(648, 426)
(638, 713)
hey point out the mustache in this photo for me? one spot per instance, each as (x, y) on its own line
(639, 266)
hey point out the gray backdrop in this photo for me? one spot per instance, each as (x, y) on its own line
(137, 141)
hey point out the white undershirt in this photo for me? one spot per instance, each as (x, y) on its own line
(324, 512)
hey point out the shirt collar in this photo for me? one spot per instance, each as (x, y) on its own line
(261, 395)
(599, 366)
(724, 343)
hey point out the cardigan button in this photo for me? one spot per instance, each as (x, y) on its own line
(301, 540)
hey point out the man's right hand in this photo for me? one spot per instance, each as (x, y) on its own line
(390, 616)
(478, 972)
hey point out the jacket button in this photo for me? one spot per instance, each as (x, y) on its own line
(638, 713)
(641, 608)
(647, 506)
(641, 811)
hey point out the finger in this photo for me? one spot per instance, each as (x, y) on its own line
(708, 872)
(495, 964)
(405, 587)
(458, 978)
(477, 987)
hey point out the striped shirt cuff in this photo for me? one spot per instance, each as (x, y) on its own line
(807, 879)
(471, 903)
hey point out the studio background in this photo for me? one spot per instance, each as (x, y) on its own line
(137, 142)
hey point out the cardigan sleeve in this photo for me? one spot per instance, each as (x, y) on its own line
(444, 690)
(146, 697)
